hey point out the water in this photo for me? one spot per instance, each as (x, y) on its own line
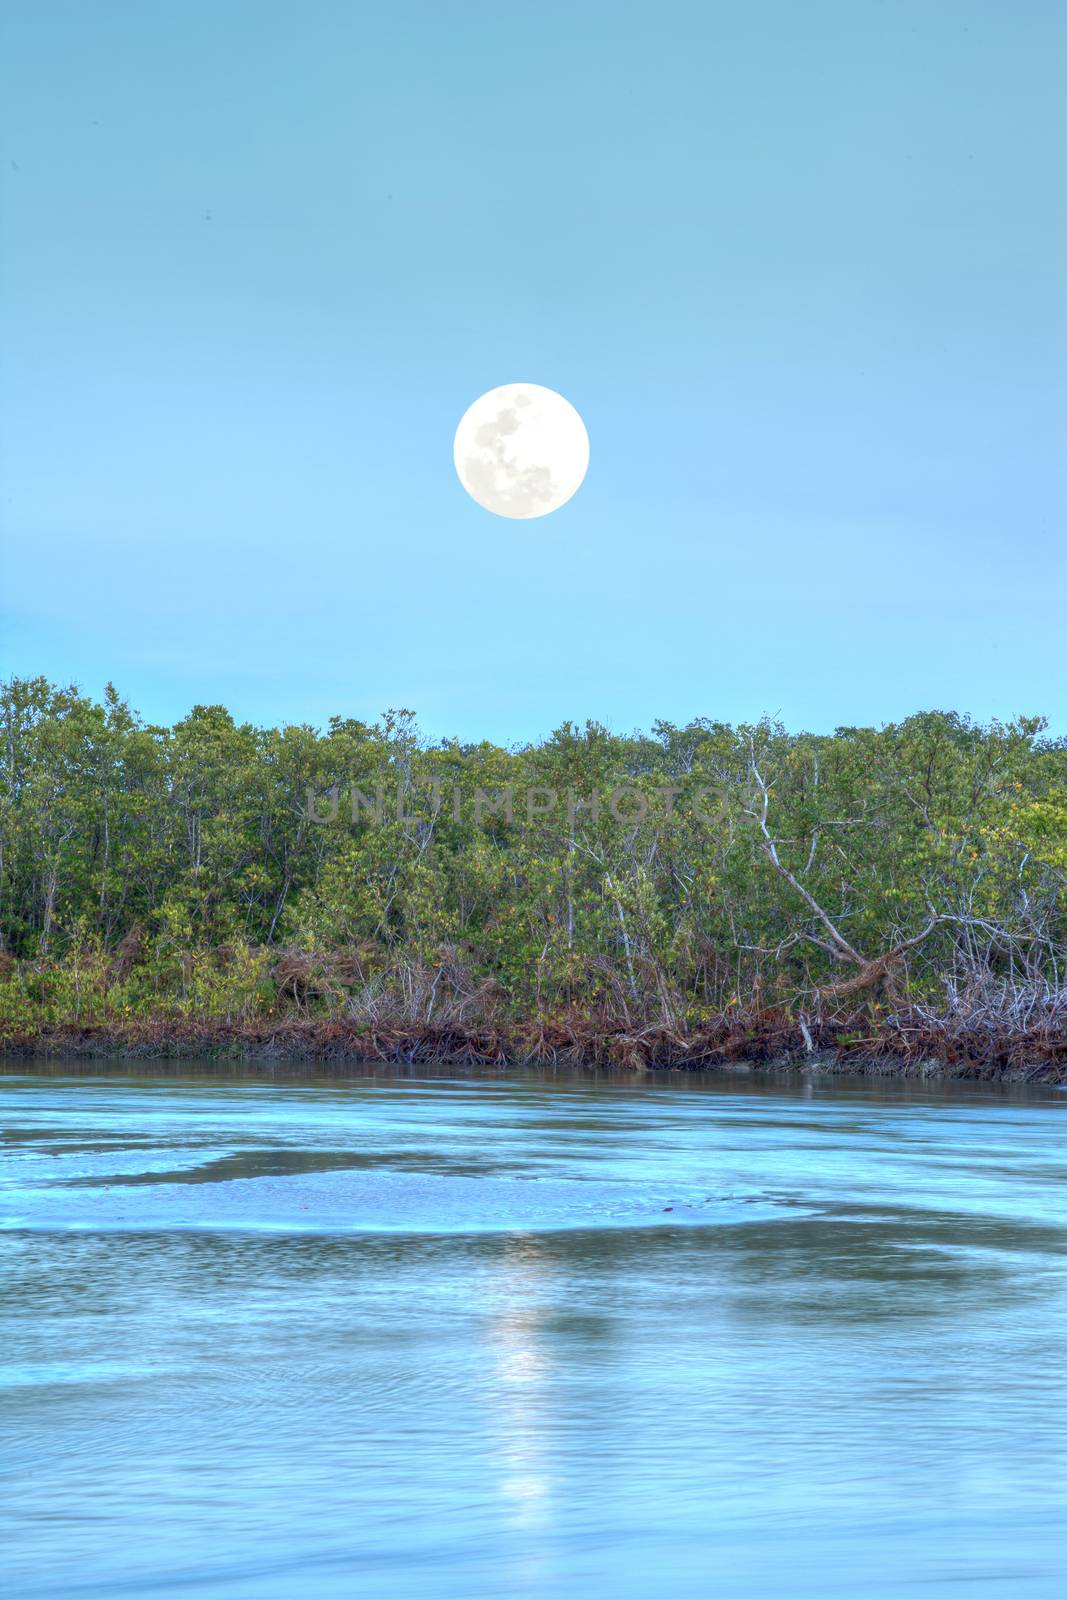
(269, 1336)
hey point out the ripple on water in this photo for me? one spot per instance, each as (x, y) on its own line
(381, 1200)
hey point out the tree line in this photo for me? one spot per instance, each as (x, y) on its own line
(665, 876)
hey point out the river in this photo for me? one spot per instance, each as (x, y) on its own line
(274, 1332)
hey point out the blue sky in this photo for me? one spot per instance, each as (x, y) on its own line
(800, 268)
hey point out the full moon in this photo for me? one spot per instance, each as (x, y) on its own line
(521, 450)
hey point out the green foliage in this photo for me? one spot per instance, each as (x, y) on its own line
(148, 870)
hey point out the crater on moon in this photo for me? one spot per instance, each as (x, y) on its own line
(521, 450)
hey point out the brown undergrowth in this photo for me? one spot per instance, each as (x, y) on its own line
(907, 1044)
(355, 1004)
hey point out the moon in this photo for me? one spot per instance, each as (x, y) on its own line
(521, 450)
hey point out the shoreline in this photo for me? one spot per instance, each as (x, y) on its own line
(895, 1054)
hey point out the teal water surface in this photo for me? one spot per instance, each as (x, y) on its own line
(269, 1335)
